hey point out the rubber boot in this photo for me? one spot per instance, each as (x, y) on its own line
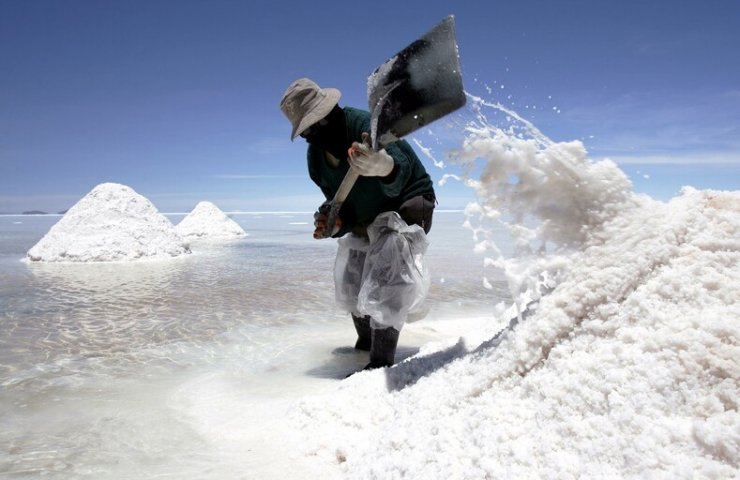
(364, 336)
(383, 348)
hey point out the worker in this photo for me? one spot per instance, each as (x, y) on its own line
(382, 225)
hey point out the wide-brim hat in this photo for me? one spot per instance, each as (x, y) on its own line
(305, 103)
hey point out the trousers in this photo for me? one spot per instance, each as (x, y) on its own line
(383, 275)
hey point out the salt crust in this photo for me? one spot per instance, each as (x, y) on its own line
(112, 223)
(207, 221)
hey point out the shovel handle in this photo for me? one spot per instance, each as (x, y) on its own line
(344, 188)
(336, 203)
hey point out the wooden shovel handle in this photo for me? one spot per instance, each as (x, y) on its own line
(336, 203)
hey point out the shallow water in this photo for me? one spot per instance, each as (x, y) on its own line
(127, 370)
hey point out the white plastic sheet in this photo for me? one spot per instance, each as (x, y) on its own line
(384, 276)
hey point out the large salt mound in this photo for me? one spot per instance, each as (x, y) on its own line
(111, 223)
(207, 221)
(630, 368)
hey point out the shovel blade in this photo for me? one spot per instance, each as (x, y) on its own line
(418, 85)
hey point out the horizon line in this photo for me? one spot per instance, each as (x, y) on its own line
(236, 212)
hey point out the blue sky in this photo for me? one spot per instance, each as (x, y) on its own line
(179, 99)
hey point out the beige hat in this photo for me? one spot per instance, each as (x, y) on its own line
(305, 103)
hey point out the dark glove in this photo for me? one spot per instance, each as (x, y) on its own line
(319, 222)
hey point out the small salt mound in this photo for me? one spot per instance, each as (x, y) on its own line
(207, 221)
(111, 223)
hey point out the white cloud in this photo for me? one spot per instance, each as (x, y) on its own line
(691, 158)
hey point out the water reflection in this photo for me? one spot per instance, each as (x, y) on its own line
(117, 310)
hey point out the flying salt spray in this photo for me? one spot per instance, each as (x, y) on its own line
(546, 195)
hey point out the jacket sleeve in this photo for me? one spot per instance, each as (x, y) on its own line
(393, 184)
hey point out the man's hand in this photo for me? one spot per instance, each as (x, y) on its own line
(367, 162)
(320, 219)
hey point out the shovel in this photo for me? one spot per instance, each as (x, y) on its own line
(415, 87)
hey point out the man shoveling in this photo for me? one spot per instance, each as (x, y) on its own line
(379, 274)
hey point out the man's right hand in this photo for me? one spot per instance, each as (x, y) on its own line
(320, 219)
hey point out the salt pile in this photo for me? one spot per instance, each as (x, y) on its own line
(207, 221)
(111, 223)
(629, 368)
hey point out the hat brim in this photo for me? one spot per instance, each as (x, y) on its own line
(321, 110)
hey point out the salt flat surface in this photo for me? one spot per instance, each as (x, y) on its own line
(188, 368)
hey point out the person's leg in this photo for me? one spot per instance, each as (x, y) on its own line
(364, 333)
(347, 283)
(383, 347)
(391, 277)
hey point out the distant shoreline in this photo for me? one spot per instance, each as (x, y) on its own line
(185, 213)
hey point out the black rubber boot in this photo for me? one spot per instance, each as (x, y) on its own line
(364, 336)
(383, 348)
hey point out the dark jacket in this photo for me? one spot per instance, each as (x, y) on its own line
(371, 195)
